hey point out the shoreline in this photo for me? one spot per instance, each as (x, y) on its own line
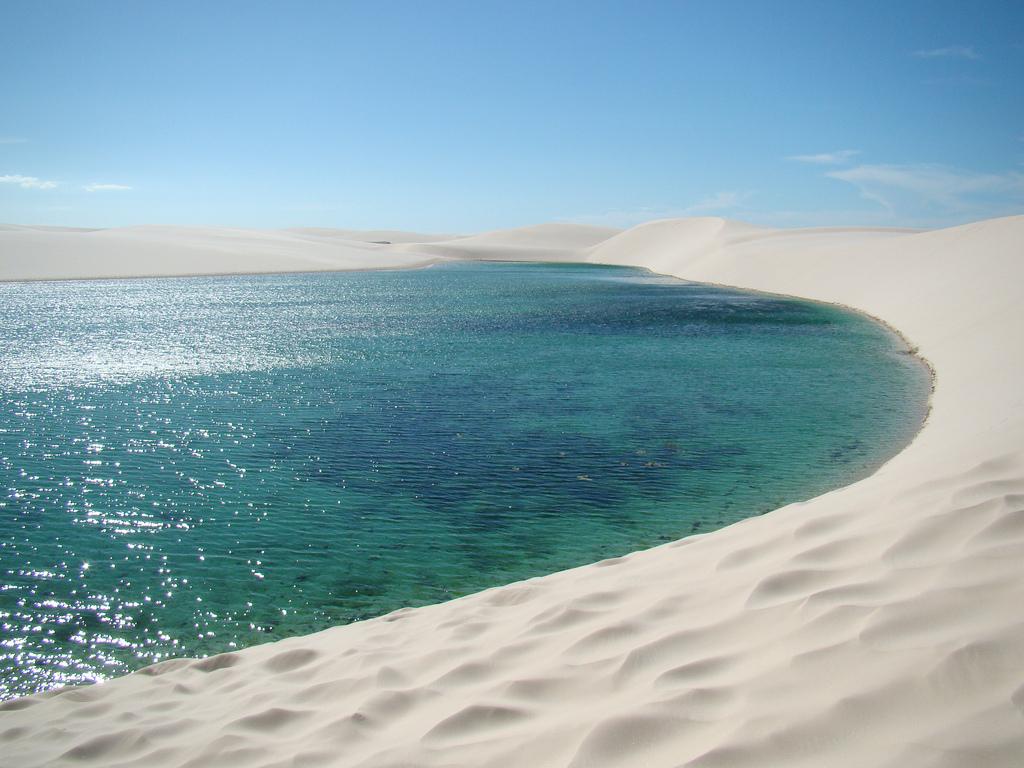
(187, 276)
(822, 476)
(898, 589)
(911, 349)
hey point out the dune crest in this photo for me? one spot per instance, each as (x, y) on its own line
(876, 625)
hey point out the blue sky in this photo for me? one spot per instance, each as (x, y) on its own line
(465, 116)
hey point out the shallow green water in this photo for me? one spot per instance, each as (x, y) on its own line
(193, 465)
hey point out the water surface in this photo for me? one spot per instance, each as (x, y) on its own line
(193, 465)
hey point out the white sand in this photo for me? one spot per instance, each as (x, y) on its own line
(49, 253)
(41, 253)
(544, 242)
(878, 625)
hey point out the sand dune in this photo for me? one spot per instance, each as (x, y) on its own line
(32, 253)
(379, 236)
(877, 625)
(544, 242)
(49, 253)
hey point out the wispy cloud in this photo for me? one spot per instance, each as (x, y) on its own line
(716, 203)
(838, 157)
(720, 202)
(27, 182)
(910, 187)
(949, 52)
(832, 217)
(12, 140)
(106, 187)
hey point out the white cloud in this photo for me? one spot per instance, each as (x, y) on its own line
(949, 52)
(12, 140)
(27, 182)
(910, 187)
(830, 217)
(838, 157)
(106, 187)
(720, 202)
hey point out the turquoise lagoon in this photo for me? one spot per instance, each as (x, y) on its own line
(194, 465)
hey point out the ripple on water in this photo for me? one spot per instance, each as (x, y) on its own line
(194, 465)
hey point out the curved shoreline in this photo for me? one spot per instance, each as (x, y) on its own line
(876, 624)
(911, 349)
(726, 492)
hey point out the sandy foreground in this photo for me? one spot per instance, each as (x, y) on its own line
(881, 624)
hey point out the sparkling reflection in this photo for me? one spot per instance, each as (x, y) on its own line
(194, 465)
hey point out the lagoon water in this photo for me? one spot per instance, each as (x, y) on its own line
(193, 465)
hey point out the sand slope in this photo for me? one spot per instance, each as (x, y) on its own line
(877, 625)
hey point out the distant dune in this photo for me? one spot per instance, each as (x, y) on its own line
(876, 625)
(46, 253)
(370, 235)
(32, 253)
(544, 242)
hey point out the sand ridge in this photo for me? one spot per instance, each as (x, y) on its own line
(876, 625)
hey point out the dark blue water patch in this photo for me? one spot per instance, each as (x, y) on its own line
(194, 465)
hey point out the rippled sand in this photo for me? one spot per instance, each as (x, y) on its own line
(341, 445)
(877, 625)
